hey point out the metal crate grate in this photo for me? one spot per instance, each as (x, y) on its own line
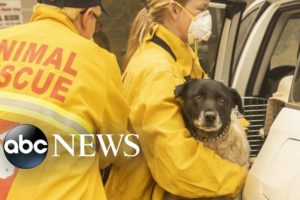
(255, 113)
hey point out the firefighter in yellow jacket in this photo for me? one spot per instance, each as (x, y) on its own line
(54, 77)
(158, 59)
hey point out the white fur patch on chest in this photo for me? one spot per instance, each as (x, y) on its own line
(234, 145)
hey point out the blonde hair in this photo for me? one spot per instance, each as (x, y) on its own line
(71, 13)
(148, 17)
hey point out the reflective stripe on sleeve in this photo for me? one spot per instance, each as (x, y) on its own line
(44, 111)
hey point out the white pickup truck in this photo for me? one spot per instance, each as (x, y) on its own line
(252, 50)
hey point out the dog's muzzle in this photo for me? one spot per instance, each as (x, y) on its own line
(208, 121)
(210, 117)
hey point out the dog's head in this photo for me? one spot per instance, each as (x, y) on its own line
(207, 106)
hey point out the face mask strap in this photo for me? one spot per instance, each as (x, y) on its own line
(196, 43)
(183, 8)
(193, 18)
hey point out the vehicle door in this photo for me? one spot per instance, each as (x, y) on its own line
(275, 174)
(269, 53)
(232, 25)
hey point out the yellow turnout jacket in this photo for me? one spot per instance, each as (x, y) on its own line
(171, 160)
(53, 78)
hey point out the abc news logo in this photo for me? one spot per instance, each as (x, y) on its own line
(26, 146)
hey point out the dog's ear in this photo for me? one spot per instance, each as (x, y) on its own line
(180, 89)
(237, 100)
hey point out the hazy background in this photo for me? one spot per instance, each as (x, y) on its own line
(117, 27)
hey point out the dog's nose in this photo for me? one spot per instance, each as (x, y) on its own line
(210, 116)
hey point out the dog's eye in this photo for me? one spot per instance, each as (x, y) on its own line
(221, 100)
(198, 97)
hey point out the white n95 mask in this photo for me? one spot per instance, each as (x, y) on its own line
(200, 28)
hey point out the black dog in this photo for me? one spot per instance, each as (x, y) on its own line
(207, 107)
(207, 111)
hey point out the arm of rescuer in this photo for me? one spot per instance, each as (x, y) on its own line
(178, 163)
(115, 115)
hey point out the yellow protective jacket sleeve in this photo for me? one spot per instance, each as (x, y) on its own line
(65, 84)
(171, 159)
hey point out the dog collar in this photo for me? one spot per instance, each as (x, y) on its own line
(206, 139)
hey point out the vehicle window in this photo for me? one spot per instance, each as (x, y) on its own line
(284, 58)
(245, 29)
(286, 50)
(208, 50)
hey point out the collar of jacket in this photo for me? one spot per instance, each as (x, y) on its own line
(183, 52)
(54, 14)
